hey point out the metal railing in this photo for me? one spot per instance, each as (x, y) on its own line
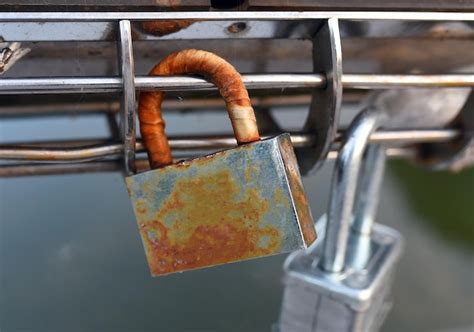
(106, 155)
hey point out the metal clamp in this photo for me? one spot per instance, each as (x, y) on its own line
(326, 103)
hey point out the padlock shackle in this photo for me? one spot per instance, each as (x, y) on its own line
(219, 72)
(344, 188)
(367, 196)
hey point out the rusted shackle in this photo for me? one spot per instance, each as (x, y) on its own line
(229, 206)
(219, 72)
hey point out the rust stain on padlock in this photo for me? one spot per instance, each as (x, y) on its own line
(201, 236)
(297, 189)
(229, 206)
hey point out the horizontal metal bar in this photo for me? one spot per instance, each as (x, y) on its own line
(200, 104)
(255, 81)
(60, 85)
(414, 136)
(28, 151)
(60, 154)
(234, 15)
(94, 107)
(364, 81)
(44, 151)
(172, 83)
(35, 169)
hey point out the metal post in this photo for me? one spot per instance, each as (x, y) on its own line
(127, 68)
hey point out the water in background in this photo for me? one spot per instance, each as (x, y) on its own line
(71, 258)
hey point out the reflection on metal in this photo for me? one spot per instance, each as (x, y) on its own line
(70, 151)
(323, 117)
(234, 205)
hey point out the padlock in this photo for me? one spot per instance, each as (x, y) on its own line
(343, 283)
(232, 205)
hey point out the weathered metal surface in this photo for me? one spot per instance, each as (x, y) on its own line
(233, 205)
(297, 190)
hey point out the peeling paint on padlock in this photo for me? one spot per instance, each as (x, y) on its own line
(233, 205)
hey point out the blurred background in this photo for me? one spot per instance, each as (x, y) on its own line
(71, 258)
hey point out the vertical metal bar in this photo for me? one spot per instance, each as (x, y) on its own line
(343, 190)
(368, 190)
(323, 117)
(127, 71)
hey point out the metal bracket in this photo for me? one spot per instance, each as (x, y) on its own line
(323, 117)
(127, 119)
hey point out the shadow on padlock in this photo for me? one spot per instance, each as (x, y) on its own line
(342, 282)
(233, 205)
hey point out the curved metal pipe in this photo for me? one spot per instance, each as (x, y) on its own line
(344, 186)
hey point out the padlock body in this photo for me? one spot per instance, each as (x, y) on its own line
(233, 205)
(352, 300)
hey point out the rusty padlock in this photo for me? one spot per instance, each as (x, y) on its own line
(232, 205)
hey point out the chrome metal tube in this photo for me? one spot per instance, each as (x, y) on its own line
(365, 81)
(171, 83)
(60, 154)
(116, 165)
(94, 149)
(343, 190)
(414, 136)
(188, 104)
(367, 198)
(234, 15)
(55, 85)
(127, 119)
(368, 191)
